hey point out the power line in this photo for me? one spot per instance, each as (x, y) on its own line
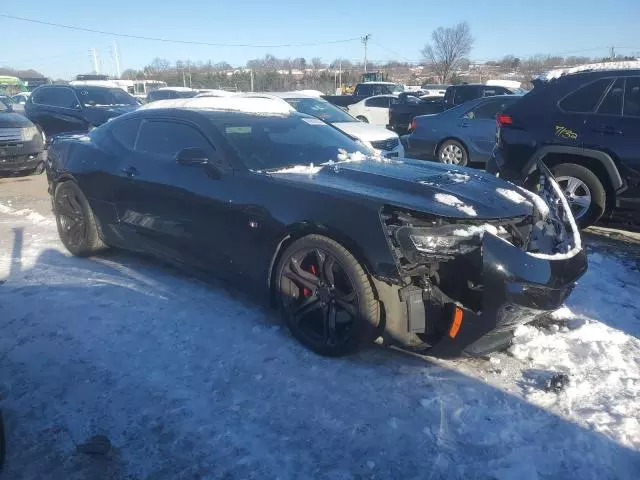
(168, 40)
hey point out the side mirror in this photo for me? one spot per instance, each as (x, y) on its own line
(196, 157)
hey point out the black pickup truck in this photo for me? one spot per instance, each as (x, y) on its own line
(364, 90)
(403, 110)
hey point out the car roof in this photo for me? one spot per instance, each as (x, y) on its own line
(605, 68)
(240, 104)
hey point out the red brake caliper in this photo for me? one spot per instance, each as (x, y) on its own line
(313, 269)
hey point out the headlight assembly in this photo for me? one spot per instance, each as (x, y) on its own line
(28, 133)
(445, 241)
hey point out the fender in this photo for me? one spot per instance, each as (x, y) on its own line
(606, 161)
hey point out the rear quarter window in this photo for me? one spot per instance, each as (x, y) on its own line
(585, 98)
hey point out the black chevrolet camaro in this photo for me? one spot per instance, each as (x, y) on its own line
(348, 245)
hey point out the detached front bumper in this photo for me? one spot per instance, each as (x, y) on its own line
(518, 288)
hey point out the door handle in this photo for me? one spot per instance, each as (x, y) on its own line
(130, 172)
(608, 129)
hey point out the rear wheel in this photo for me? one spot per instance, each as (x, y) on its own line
(362, 119)
(326, 297)
(584, 192)
(75, 220)
(452, 152)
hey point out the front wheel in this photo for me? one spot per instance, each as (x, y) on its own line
(76, 223)
(326, 297)
(584, 192)
(452, 152)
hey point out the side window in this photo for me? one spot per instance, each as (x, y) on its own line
(124, 132)
(586, 98)
(632, 97)
(486, 110)
(382, 102)
(612, 102)
(165, 138)
(365, 90)
(464, 94)
(490, 92)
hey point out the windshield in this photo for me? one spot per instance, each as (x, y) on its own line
(104, 97)
(266, 143)
(321, 109)
(395, 88)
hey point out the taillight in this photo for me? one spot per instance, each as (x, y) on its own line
(412, 126)
(504, 120)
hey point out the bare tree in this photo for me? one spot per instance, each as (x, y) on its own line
(450, 45)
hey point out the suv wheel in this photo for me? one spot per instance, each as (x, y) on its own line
(584, 191)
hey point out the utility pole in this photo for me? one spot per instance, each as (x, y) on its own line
(613, 53)
(93, 55)
(340, 74)
(251, 75)
(116, 58)
(365, 41)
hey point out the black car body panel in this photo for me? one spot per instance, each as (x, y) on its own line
(362, 91)
(604, 141)
(235, 221)
(17, 151)
(59, 109)
(403, 111)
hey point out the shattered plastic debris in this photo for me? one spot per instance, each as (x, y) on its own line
(455, 202)
(557, 383)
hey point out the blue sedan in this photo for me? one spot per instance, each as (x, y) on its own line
(458, 136)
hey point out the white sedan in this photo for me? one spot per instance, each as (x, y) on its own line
(373, 110)
(379, 137)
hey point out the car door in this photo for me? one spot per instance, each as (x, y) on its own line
(575, 125)
(377, 110)
(615, 128)
(173, 210)
(478, 127)
(57, 110)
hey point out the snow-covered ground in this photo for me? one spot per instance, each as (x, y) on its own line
(193, 380)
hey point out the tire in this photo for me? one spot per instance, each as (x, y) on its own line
(452, 152)
(362, 119)
(353, 326)
(75, 221)
(568, 175)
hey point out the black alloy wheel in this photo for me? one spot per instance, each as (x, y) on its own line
(75, 221)
(326, 297)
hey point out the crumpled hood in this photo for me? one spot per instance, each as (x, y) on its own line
(421, 186)
(365, 131)
(98, 115)
(14, 120)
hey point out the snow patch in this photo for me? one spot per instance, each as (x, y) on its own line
(538, 202)
(30, 215)
(473, 230)
(592, 67)
(512, 195)
(453, 201)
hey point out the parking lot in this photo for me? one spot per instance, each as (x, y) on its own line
(188, 379)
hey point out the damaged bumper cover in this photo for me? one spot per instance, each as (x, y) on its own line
(512, 284)
(518, 288)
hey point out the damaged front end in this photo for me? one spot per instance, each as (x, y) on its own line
(467, 285)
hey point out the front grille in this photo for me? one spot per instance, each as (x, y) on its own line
(10, 135)
(386, 145)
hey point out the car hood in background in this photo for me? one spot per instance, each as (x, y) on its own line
(365, 131)
(427, 187)
(14, 120)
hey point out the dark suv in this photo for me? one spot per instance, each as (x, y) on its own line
(586, 127)
(58, 109)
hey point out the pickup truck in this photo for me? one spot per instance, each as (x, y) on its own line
(407, 107)
(364, 90)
